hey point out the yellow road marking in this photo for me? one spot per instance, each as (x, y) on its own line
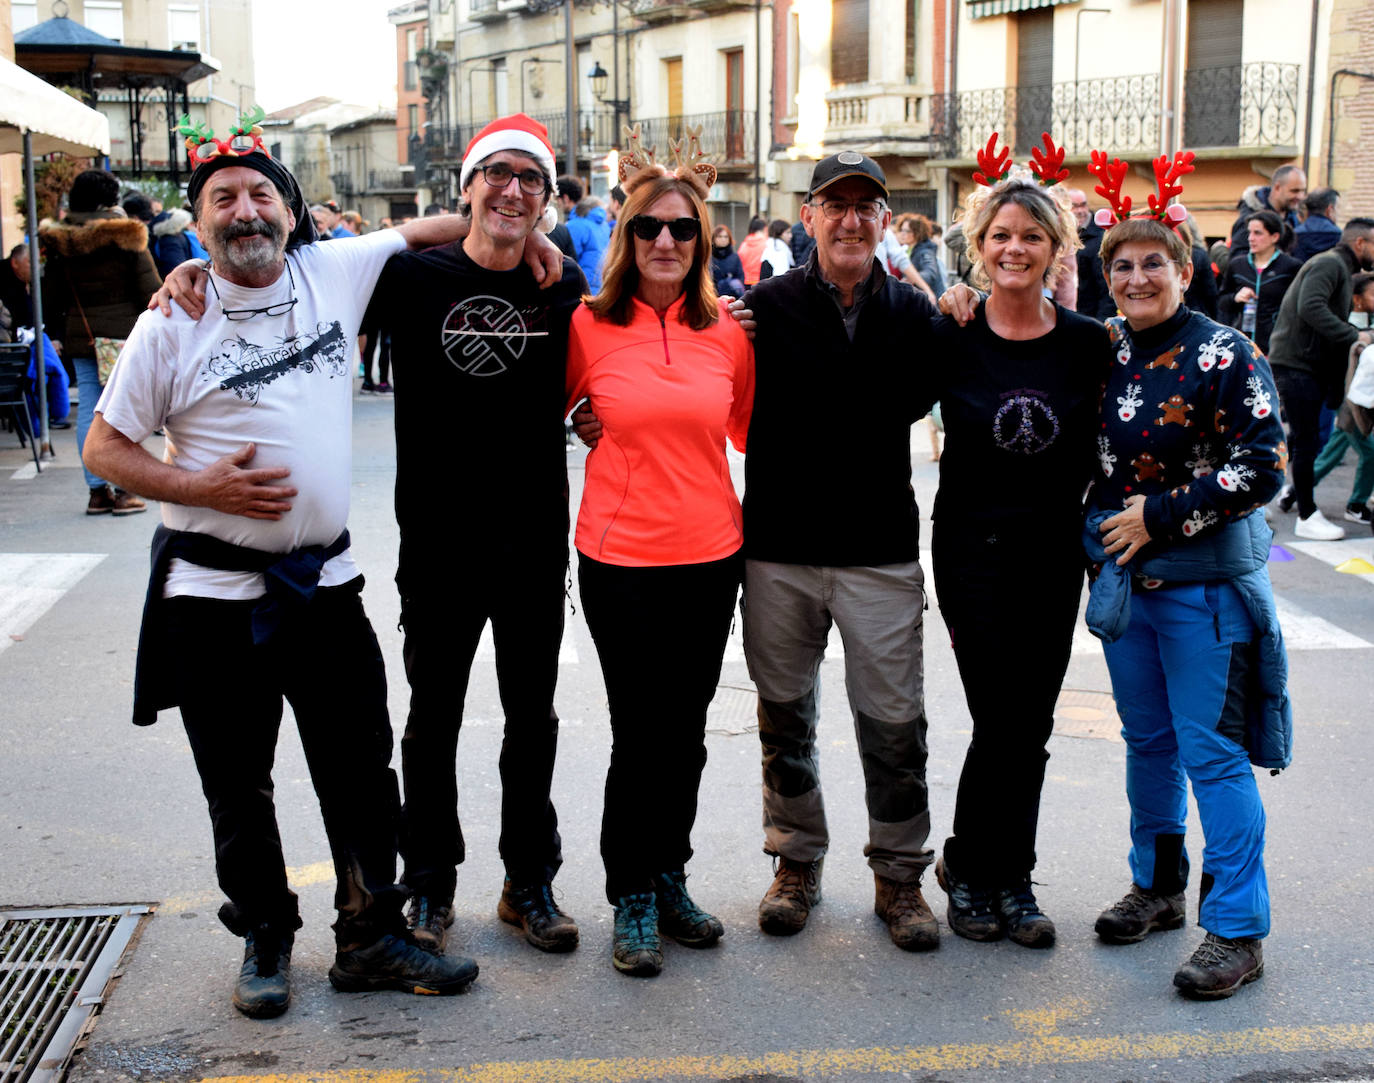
(319, 872)
(1046, 1020)
(841, 1063)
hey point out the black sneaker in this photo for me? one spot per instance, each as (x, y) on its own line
(636, 948)
(1219, 967)
(970, 912)
(795, 890)
(1025, 923)
(1358, 513)
(395, 962)
(1286, 498)
(533, 909)
(1137, 915)
(428, 920)
(263, 990)
(680, 917)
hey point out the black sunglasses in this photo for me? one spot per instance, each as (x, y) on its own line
(647, 228)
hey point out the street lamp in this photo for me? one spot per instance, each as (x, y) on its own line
(599, 77)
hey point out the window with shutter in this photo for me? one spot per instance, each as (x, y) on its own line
(849, 42)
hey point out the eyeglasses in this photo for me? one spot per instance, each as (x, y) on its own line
(868, 210)
(647, 228)
(1151, 266)
(498, 175)
(281, 308)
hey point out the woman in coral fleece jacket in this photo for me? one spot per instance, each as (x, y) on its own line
(670, 376)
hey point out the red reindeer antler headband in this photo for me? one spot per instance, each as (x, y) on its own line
(1168, 172)
(1046, 164)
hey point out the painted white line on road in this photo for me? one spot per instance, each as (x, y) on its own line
(31, 584)
(567, 649)
(27, 472)
(1337, 552)
(1302, 631)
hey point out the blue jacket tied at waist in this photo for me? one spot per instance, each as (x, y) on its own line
(1238, 555)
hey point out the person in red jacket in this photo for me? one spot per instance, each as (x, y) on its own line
(751, 250)
(659, 531)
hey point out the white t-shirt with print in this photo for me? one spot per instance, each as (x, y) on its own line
(285, 383)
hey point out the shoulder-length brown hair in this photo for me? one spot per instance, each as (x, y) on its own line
(620, 274)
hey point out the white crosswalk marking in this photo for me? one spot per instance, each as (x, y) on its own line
(567, 649)
(31, 583)
(1338, 552)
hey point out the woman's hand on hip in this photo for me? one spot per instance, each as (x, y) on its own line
(1125, 532)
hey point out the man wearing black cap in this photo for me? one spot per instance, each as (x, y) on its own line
(830, 536)
(254, 594)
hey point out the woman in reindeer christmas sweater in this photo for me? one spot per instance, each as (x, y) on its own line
(1190, 444)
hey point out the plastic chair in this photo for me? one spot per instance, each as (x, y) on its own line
(14, 382)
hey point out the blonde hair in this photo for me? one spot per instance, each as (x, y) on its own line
(1048, 206)
(620, 273)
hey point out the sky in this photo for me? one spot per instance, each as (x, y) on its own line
(352, 58)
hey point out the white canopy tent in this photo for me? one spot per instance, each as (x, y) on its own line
(36, 118)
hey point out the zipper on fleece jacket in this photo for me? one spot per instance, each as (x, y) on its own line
(663, 326)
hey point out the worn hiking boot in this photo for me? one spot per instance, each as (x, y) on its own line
(680, 917)
(910, 922)
(636, 948)
(263, 990)
(1219, 967)
(533, 909)
(787, 903)
(395, 962)
(428, 919)
(970, 913)
(1137, 915)
(1024, 921)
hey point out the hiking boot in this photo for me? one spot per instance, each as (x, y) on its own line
(1022, 918)
(909, 921)
(970, 913)
(263, 990)
(636, 948)
(127, 503)
(1219, 967)
(533, 909)
(1137, 915)
(101, 501)
(787, 903)
(428, 920)
(396, 962)
(680, 917)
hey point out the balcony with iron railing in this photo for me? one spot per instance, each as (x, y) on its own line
(727, 139)
(1252, 106)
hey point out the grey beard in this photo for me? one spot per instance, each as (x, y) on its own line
(228, 256)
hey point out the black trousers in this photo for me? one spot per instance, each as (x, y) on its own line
(443, 616)
(325, 661)
(1010, 599)
(1302, 398)
(382, 351)
(660, 634)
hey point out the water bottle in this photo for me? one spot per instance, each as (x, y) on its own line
(1247, 317)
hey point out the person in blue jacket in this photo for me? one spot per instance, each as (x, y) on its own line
(1190, 446)
(1318, 230)
(587, 226)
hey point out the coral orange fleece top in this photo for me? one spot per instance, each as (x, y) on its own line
(658, 488)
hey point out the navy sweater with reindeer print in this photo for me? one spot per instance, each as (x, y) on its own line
(1190, 419)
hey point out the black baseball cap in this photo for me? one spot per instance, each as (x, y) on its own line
(848, 163)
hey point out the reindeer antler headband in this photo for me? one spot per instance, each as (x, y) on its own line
(1047, 165)
(1168, 173)
(244, 138)
(637, 164)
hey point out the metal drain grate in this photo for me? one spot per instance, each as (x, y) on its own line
(54, 966)
(733, 711)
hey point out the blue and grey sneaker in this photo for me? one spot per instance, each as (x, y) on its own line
(681, 918)
(636, 948)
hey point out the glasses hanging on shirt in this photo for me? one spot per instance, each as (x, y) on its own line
(281, 308)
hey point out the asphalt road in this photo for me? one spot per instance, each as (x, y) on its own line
(93, 810)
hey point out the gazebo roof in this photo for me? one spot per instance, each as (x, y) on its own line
(61, 46)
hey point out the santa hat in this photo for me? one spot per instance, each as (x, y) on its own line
(516, 132)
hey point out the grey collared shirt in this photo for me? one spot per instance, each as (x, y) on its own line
(862, 292)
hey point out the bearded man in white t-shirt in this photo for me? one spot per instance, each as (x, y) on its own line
(254, 595)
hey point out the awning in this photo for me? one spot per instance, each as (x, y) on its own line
(978, 9)
(57, 120)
